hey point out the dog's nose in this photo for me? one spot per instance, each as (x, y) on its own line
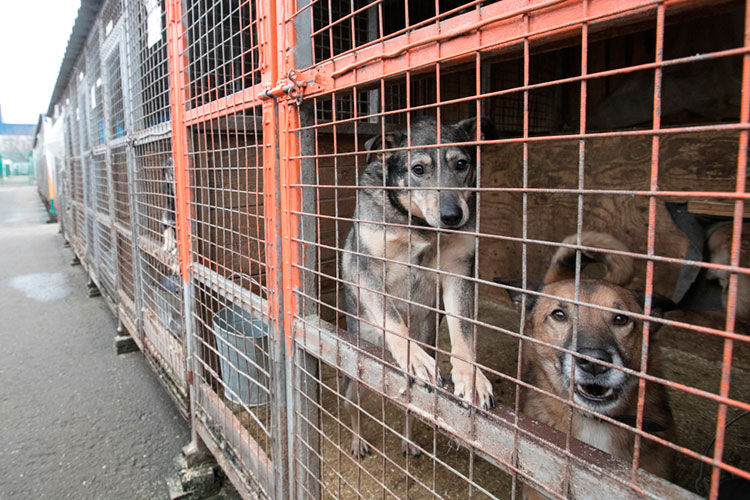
(450, 214)
(590, 366)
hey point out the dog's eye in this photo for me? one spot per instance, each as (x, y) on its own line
(621, 320)
(559, 315)
(462, 165)
(417, 169)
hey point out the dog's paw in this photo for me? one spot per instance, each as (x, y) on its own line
(360, 448)
(419, 367)
(409, 448)
(463, 376)
(422, 368)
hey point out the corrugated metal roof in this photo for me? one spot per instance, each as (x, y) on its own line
(86, 16)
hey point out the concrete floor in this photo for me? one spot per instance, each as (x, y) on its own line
(76, 420)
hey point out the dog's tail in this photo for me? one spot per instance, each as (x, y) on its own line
(619, 268)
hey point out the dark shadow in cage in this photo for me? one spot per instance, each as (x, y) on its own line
(222, 49)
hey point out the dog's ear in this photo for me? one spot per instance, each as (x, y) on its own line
(487, 129)
(660, 305)
(392, 140)
(517, 295)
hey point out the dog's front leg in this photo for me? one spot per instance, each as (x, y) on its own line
(170, 241)
(410, 356)
(458, 298)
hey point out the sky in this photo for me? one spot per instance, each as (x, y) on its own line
(33, 38)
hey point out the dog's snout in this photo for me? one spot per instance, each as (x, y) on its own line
(450, 213)
(590, 366)
(451, 216)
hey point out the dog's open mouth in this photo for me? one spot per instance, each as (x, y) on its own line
(595, 392)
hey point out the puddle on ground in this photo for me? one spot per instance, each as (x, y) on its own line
(44, 287)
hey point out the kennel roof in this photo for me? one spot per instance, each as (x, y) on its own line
(87, 13)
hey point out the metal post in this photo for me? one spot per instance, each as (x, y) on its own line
(302, 367)
(195, 450)
(130, 113)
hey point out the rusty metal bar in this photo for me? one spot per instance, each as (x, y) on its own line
(456, 36)
(732, 296)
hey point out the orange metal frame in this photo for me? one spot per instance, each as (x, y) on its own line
(280, 145)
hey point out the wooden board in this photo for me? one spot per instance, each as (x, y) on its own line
(705, 161)
(716, 208)
(698, 161)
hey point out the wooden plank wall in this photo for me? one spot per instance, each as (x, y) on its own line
(227, 201)
(687, 162)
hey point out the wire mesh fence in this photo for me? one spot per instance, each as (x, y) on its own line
(454, 249)
(148, 65)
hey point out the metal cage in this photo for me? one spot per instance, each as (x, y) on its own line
(269, 193)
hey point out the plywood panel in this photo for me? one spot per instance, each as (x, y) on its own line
(688, 162)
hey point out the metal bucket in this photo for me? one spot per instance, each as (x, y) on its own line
(242, 343)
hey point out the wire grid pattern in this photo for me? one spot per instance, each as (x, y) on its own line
(94, 88)
(154, 189)
(533, 203)
(63, 204)
(111, 13)
(103, 224)
(116, 110)
(73, 143)
(339, 27)
(106, 252)
(222, 49)
(101, 184)
(117, 183)
(573, 154)
(126, 285)
(231, 333)
(63, 174)
(75, 176)
(160, 282)
(82, 112)
(123, 227)
(89, 197)
(77, 198)
(342, 27)
(120, 185)
(148, 64)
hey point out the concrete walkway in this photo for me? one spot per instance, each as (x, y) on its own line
(76, 421)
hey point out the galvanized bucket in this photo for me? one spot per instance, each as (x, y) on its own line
(242, 343)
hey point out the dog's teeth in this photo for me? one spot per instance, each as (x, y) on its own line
(608, 392)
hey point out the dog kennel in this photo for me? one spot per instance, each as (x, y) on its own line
(214, 158)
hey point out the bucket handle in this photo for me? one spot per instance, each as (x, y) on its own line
(252, 280)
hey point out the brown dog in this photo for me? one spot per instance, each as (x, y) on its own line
(614, 338)
(720, 251)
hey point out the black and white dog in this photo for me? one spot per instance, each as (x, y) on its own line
(391, 256)
(168, 218)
